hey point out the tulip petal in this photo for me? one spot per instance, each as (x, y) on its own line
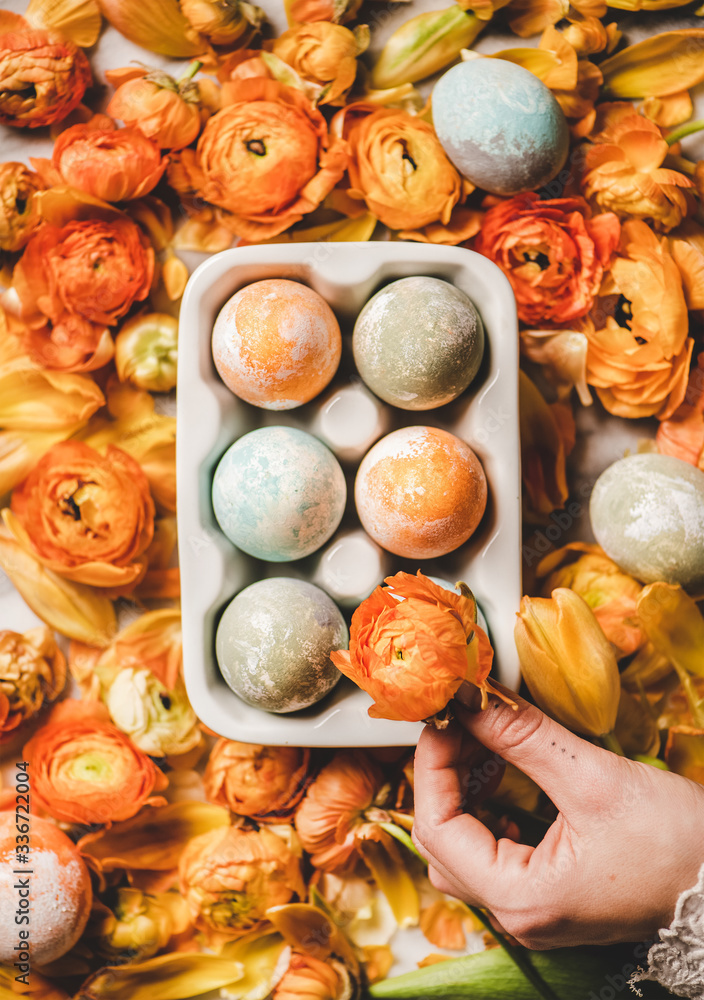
(391, 875)
(684, 752)
(657, 67)
(158, 26)
(167, 977)
(78, 20)
(304, 926)
(258, 956)
(155, 838)
(542, 453)
(674, 625)
(73, 609)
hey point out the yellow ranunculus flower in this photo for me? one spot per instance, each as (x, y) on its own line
(324, 54)
(141, 923)
(158, 720)
(567, 662)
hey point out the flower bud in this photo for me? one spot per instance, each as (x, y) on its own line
(424, 45)
(567, 662)
(146, 352)
(224, 22)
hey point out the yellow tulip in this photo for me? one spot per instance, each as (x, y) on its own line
(567, 662)
(78, 20)
(424, 45)
(656, 67)
(159, 26)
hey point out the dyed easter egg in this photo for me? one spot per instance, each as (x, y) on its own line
(500, 125)
(278, 493)
(274, 641)
(647, 513)
(418, 343)
(58, 897)
(276, 344)
(420, 492)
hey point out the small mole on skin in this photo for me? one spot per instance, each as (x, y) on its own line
(572, 756)
(553, 743)
(563, 749)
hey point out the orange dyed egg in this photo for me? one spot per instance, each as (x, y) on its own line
(420, 492)
(52, 897)
(276, 344)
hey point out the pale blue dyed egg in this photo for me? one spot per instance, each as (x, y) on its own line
(647, 513)
(274, 641)
(500, 125)
(279, 493)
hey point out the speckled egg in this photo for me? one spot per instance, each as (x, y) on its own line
(420, 492)
(500, 125)
(279, 493)
(418, 343)
(274, 641)
(276, 344)
(647, 513)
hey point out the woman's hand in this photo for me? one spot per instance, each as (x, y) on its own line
(628, 840)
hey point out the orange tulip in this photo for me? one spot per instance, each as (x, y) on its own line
(163, 109)
(84, 770)
(400, 170)
(553, 253)
(231, 876)
(87, 518)
(324, 54)
(18, 214)
(624, 172)
(264, 783)
(412, 655)
(43, 77)
(93, 268)
(307, 11)
(114, 164)
(638, 358)
(329, 817)
(265, 160)
(32, 672)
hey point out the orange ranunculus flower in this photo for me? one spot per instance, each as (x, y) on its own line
(624, 173)
(32, 672)
(73, 344)
(90, 267)
(42, 77)
(86, 517)
(400, 170)
(638, 357)
(682, 434)
(553, 253)
(231, 23)
(163, 109)
(324, 54)
(265, 160)
(264, 783)
(18, 215)
(114, 164)
(84, 770)
(310, 978)
(609, 592)
(329, 817)
(231, 876)
(412, 645)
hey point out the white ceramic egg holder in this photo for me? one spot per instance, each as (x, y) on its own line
(210, 418)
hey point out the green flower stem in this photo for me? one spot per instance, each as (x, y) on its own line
(680, 163)
(190, 71)
(684, 130)
(519, 957)
(609, 742)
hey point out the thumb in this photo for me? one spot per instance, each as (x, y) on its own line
(572, 771)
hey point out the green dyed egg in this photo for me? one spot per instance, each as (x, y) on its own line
(274, 641)
(418, 343)
(647, 513)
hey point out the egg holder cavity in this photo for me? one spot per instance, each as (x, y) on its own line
(210, 418)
